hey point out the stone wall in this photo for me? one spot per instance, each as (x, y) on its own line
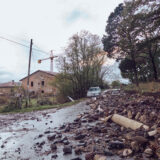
(6, 90)
(40, 83)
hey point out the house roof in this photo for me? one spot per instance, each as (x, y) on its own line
(48, 72)
(9, 84)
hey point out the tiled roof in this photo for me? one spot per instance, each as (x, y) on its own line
(9, 84)
(48, 72)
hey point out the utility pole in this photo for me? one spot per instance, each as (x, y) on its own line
(29, 65)
(51, 57)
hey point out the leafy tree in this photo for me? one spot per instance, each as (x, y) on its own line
(116, 84)
(110, 39)
(122, 38)
(136, 35)
(144, 69)
(81, 67)
(148, 20)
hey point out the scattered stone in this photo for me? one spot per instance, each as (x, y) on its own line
(116, 145)
(67, 150)
(77, 158)
(62, 127)
(89, 156)
(53, 147)
(65, 142)
(80, 136)
(67, 129)
(51, 138)
(129, 114)
(41, 144)
(140, 139)
(2, 146)
(78, 150)
(54, 156)
(148, 152)
(127, 152)
(41, 135)
(99, 157)
(47, 132)
(158, 152)
(107, 152)
(135, 146)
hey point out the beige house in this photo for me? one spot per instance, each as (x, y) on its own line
(8, 88)
(40, 82)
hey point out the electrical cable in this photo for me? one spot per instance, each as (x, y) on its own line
(38, 50)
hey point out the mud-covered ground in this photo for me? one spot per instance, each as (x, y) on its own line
(20, 134)
(84, 132)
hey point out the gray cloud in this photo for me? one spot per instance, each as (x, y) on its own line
(75, 15)
(5, 76)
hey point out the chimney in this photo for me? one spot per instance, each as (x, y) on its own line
(12, 82)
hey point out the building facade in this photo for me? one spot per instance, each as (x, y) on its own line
(9, 88)
(40, 82)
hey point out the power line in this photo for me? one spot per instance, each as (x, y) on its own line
(14, 42)
(38, 50)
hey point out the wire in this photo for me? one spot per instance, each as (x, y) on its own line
(13, 41)
(38, 50)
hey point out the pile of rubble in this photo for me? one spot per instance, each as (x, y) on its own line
(118, 125)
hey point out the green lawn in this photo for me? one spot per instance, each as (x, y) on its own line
(35, 107)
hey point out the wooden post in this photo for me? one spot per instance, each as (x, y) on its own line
(29, 65)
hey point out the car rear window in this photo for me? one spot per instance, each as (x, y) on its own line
(93, 89)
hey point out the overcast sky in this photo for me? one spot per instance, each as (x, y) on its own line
(50, 23)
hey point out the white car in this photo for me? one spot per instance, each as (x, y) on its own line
(93, 91)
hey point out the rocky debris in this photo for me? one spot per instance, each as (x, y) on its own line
(127, 152)
(99, 157)
(78, 150)
(89, 156)
(41, 135)
(107, 152)
(53, 147)
(80, 136)
(116, 145)
(139, 137)
(54, 156)
(67, 129)
(66, 142)
(51, 138)
(67, 150)
(77, 158)
(41, 144)
(18, 150)
(148, 152)
(123, 125)
(2, 146)
(47, 132)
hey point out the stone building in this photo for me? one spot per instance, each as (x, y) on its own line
(40, 82)
(9, 88)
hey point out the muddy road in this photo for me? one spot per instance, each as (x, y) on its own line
(19, 133)
(82, 132)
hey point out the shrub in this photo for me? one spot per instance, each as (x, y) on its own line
(3, 100)
(13, 104)
(116, 84)
(61, 98)
(44, 101)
